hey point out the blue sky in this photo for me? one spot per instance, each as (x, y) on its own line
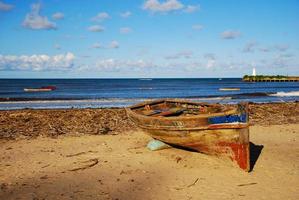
(148, 38)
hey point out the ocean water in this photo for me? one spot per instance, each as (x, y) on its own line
(82, 93)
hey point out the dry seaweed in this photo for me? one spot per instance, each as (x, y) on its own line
(29, 123)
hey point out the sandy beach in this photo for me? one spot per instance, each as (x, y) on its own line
(99, 154)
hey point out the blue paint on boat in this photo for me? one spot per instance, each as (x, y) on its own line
(228, 119)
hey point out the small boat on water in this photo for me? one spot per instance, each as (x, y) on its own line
(213, 129)
(229, 89)
(41, 89)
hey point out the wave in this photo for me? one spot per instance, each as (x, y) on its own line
(208, 98)
(286, 94)
(145, 79)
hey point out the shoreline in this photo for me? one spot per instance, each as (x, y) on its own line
(59, 104)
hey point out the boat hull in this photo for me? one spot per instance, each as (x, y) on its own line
(223, 134)
(37, 90)
(230, 143)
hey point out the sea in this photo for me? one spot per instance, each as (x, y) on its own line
(98, 93)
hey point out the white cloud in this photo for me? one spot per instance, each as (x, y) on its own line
(5, 6)
(211, 60)
(37, 62)
(197, 27)
(96, 45)
(250, 47)
(166, 6)
(57, 46)
(116, 65)
(35, 21)
(281, 47)
(101, 17)
(229, 34)
(58, 15)
(264, 49)
(210, 56)
(113, 45)
(125, 30)
(191, 8)
(182, 54)
(211, 64)
(126, 14)
(96, 28)
(286, 55)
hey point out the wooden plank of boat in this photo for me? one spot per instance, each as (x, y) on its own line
(216, 130)
(229, 89)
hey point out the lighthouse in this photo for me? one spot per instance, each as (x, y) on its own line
(253, 72)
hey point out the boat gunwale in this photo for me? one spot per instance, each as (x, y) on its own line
(201, 116)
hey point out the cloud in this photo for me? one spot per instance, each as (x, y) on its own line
(197, 27)
(211, 60)
(96, 28)
(264, 49)
(113, 45)
(35, 21)
(166, 6)
(281, 47)
(96, 45)
(34, 62)
(286, 55)
(125, 30)
(112, 64)
(101, 17)
(125, 14)
(116, 65)
(182, 54)
(211, 64)
(5, 6)
(57, 46)
(191, 8)
(249, 47)
(58, 15)
(229, 34)
(210, 56)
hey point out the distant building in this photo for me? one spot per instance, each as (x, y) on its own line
(253, 72)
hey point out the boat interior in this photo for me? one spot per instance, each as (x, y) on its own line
(171, 108)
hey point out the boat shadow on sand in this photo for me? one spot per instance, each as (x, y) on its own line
(255, 152)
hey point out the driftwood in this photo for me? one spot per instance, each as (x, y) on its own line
(193, 183)
(80, 153)
(92, 162)
(246, 184)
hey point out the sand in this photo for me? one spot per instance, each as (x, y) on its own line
(66, 168)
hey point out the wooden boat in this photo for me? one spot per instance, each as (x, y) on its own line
(212, 129)
(229, 89)
(41, 89)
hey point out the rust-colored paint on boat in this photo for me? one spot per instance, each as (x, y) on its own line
(240, 154)
(195, 132)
